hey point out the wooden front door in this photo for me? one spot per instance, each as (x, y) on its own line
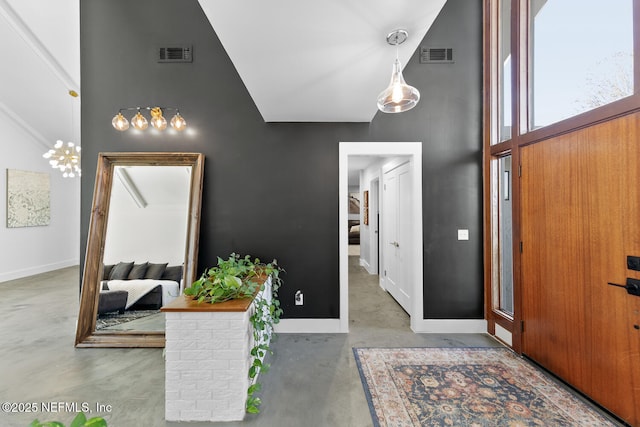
(580, 218)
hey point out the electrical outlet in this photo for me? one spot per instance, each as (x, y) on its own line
(463, 234)
(299, 298)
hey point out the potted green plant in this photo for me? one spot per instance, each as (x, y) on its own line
(79, 421)
(243, 277)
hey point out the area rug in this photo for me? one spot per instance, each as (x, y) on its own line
(113, 319)
(465, 387)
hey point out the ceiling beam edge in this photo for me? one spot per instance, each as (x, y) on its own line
(36, 45)
(37, 136)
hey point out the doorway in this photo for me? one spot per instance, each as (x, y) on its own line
(413, 252)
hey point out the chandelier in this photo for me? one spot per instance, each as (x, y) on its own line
(139, 122)
(66, 158)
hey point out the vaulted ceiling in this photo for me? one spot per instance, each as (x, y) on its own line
(323, 61)
(40, 63)
(300, 61)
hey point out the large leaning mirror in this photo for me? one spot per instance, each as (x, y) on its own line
(142, 246)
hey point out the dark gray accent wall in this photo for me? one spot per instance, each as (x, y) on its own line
(271, 189)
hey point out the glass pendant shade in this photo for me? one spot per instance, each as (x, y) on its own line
(120, 122)
(159, 123)
(398, 96)
(178, 123)
(139, 122)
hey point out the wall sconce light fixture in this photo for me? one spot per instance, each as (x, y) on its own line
(138, 121)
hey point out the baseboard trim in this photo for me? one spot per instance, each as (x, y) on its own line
(504, 335)
(39, 269)
(308, 326)
(451, 326)
(426, 326)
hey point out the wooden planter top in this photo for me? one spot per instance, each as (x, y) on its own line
(187, 303)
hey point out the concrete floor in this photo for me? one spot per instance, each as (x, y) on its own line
(313, 379)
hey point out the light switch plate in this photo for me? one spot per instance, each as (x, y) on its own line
(463, 234)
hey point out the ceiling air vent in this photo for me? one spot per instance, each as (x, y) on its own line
(439, 55)
(175, 54)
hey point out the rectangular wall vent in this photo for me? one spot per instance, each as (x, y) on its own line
(438, 55)
(175, 54)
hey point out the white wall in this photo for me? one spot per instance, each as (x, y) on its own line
(33, 250)
(154, 235)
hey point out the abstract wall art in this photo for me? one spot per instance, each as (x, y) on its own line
(28, 199)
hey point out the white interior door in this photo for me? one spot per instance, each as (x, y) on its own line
(396, 239)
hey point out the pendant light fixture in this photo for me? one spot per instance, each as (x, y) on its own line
(398, 96)
(66, 157)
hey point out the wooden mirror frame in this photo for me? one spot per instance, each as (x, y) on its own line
(86, 334)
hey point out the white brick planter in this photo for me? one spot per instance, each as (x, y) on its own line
(207, 360)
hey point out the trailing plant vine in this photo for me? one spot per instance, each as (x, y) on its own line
(79, 421)
(243, 277)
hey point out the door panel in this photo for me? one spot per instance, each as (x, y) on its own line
(580, 217)
(390, 230)
(396, 233)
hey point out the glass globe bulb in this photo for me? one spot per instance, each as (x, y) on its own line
(178, 122)
(120, 122)
(139, 122)
(157, 121)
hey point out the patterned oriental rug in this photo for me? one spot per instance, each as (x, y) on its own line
(465, 387)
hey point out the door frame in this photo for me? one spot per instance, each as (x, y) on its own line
(415, 274)
(374, 208)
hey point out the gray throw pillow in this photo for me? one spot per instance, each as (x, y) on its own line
(155, 271)
(106, 271)
(121, 271)
(173, 273)
(138, 271)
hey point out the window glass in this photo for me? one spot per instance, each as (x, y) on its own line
(581, 56)
(504, 71)
(505, 220)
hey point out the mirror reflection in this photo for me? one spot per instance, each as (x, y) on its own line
(144, 246)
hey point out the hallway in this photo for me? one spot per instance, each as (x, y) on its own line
(313, 380)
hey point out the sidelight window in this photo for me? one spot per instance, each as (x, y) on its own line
(502, 236)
